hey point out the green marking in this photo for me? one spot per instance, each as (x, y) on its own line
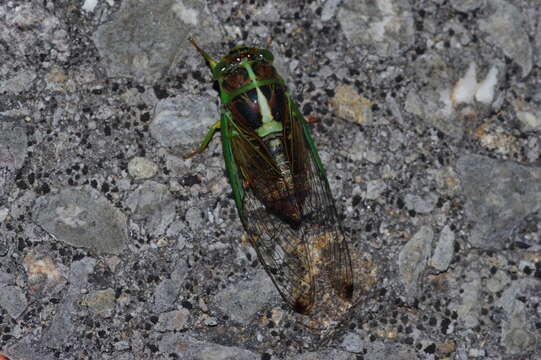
(266, 114)
(264, 108)
(227, 97)
(269, 128)
(248, 67)
(230, 164)
(206, 140)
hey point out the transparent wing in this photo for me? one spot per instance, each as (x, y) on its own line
(280, 247)
(320, 225)
(283, 253)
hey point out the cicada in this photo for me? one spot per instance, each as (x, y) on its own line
(278, 181)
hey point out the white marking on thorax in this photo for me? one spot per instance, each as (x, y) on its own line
(264, 108)
(266, 114)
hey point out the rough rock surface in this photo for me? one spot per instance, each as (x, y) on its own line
(112, 246)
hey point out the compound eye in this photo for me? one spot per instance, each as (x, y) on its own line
(267, 55)
(219, 69)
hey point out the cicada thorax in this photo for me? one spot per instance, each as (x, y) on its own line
(262, 102)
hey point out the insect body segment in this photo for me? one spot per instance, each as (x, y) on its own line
(278, 181)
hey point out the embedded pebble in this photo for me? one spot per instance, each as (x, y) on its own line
(421, 204)
(153, 205)
(504, 28)
(13, 300)
(469, 309)
(240, 302)
(82, 217)
(351, 106)
(194, 349)
(141, 168)
(495, 200)
(173, 320)
(413, 259)
(20, 82)
(386, 25)
(13, 146)
(443, 253)
(374, 189)
(142, 38)
(101, 302)
(183, 120)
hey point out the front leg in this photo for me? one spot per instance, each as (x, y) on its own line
(206, 141)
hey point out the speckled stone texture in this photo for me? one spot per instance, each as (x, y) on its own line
(114, 247)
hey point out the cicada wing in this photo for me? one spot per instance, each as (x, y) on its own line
(280, 249)
(283, 253)
(320, 226)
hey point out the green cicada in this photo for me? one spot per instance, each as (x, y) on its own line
(279, 183)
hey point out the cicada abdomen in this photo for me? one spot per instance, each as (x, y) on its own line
(278, 181)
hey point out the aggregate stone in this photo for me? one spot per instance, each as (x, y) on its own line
(3, 245)
(79, 272)
(13, 145)
(195, 350)
(376, 350)
(267, 13)
(537, 40)
(144, 38)
(6, 278)
(194, 217)
(529, 114)
(45, 276)
(374, 189)
(443, 253)
(101, 302)
(153, 205)
(173, 320)
(239, 300)
(329, 9)
(499, 195)
(61, 327)
(82, 217)
(141, 168)
(385, 26)
(351, 106)
(413, 259)
(31, 28)
(467, 5)
(18, 83)
(325, 354)
(13, 300)
(469, 309)
(505, 28)
(167, 291)
(498, 281)
(92, 85)
(28, 349)
(515, 336)
(183, 120)
(450, 90)
(421, 204)
(165, 295)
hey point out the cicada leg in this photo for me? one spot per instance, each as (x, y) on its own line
(206, 141)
